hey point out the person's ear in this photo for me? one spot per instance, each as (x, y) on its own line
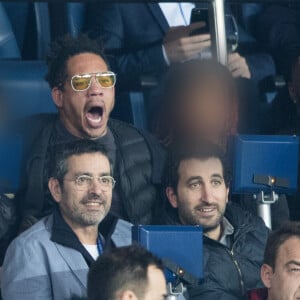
(55, 189)
(292, 92)
(172, 197)
(266, 273)
(57, 96)
(227, 194)
(127, 295)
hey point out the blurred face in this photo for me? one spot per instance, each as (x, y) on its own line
(201, 195)
(83, 206)
(85, 113)
(205, 110)
(156, 285)
(283, 283)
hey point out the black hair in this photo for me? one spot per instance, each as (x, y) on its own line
(62, 50)
(277, 238)
(121, 269)
(60, 153)
(201, 150)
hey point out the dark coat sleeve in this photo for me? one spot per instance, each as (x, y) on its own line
(132, 48)
(260, 62)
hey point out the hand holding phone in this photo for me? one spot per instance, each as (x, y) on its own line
(200, 15)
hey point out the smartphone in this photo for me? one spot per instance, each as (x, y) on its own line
(200, 15)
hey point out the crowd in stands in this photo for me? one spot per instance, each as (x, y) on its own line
(87, 177)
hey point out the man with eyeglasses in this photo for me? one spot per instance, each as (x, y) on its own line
(51, 259)
(83, 90)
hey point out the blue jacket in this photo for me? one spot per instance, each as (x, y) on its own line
(38, 268)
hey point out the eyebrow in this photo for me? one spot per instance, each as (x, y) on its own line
(195, 178)
(293, 262)
(217, 175)
(90, 174)
(200, 177)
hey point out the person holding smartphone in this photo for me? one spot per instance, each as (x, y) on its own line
(145, 38)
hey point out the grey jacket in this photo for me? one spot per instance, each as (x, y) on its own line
(37, 268)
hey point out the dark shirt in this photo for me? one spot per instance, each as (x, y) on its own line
(62, 135)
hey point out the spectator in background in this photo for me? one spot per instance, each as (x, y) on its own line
(129, 273)
(280, 272)
(83, 91)
(148, 37)
(278, 27)
(51, 259)
(199, 101)
(286, 110)
(286, 107)
(197, 189)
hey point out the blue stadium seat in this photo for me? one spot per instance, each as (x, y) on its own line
(8, 43)
(75, 15)
(17, 13)
(31, 26)
(43, 30)
(24, 89)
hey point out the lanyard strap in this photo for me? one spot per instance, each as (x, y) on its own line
(99, 245)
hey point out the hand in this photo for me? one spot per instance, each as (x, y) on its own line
(238, 66)
(180, 46)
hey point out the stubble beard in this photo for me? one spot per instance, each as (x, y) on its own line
(83, 218)
(189, 217)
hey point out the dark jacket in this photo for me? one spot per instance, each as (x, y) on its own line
(139, 163)
(278, 28)
(133, 33)
(230, 273)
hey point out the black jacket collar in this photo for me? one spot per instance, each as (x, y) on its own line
(65, 236)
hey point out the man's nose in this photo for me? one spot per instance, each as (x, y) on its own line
(95, 87)
(206, 194)
(96, 187)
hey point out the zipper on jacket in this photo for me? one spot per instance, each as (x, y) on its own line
(242, 284)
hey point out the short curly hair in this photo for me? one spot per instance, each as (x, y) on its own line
(62, 50)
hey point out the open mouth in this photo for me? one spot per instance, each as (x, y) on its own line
(95, 114)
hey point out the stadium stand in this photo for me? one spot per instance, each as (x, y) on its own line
(8, 43)
(24, 88)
